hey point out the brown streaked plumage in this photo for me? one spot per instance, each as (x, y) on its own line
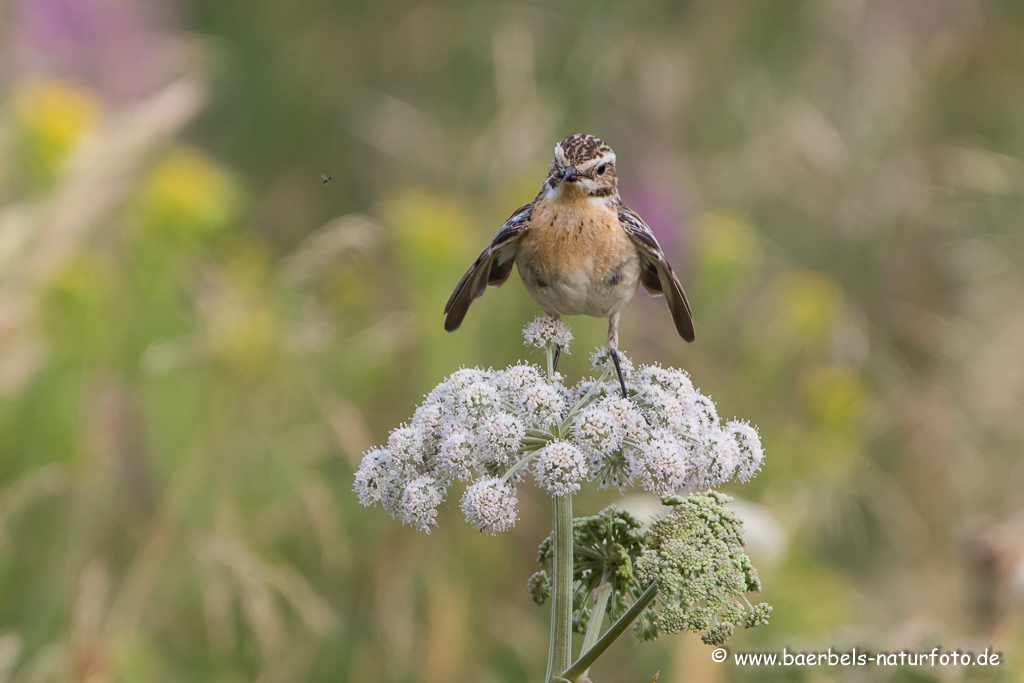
(579, 251)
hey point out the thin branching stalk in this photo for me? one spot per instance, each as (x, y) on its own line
(582, 665)
(601, 596)
(587, 398)
(523, 462)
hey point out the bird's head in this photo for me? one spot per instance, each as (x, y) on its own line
(583, 166)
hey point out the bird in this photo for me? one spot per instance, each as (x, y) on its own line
(578, 249)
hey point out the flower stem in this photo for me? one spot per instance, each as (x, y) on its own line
(601, 596)
(560, 650)
(581, 665)
(587, 398)
(520, 464)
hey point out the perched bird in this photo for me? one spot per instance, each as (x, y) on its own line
(579, 251)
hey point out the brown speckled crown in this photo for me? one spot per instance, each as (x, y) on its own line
(579, 149)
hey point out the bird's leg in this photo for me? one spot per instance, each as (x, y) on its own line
(558, 347)
(618, 371)
(613, 345)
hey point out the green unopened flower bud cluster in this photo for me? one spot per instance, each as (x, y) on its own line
(696, 556)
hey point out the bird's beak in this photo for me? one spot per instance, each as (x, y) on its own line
(571, 175)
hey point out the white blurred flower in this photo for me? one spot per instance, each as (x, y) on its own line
(458, 380)
(448, 392)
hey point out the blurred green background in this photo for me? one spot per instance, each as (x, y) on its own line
(199, 337)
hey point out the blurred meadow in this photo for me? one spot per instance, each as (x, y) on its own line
(199, 336)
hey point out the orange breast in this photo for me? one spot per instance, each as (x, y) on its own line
(578, 238)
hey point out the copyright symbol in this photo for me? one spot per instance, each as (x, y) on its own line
(719, 654)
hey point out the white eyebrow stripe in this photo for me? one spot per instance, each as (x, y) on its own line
(560, 154)
(609, 159)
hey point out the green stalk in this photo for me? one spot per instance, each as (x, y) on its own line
(583, 664)
(523, 462)
(601, 596)
(587, 398)
(560, 651)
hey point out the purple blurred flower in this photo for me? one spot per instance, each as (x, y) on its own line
(659, 192)
(118, 48)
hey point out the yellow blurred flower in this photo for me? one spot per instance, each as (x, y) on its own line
(429, 226)
(518, 190)
(811, 303)
(243, 337)
(189, 197)
(353, 287)
(835, 396)
(76, 305)
(84, 278)
(432, 235)
(809, 598)
(727, 249)
(240, 325)
(52, 117)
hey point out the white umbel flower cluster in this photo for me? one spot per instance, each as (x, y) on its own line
(666, 434)
(491, 427)
(544, 330)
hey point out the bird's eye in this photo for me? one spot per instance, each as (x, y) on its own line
(601, 169)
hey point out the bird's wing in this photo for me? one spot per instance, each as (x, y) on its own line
(655, 273)
(491, 268)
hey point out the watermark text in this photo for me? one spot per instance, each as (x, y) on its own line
(857, 657)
